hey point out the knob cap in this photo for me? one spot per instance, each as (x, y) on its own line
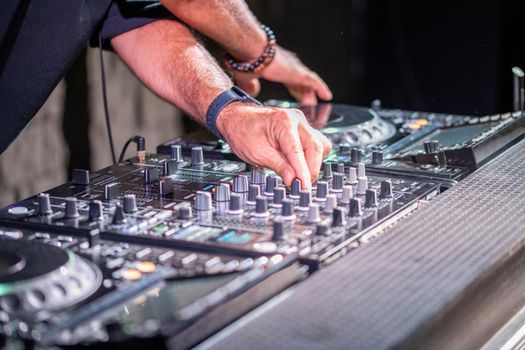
(71, 208)
(111, 191)
(151, 175)
(338, 217)
(362, 185)
(279, 193)
(240, 184)
(361, 170)
(377, 157)
(95, 211)
(356, 155)
(222, 193)
(235, 204)
(287, 211)
(341, 168)
(258, 176)
(431, 146)
(347, 194)
(354, 207)
(130, 203)
(118, 217)
(305, 198)
(261, 206)
(271, 183)
(386, 189)
(313, 213)
(376, 105)
(197, 156)
(344, 148)
(371, 198)
(185, 211)
(203, 201)
(322, 190)
(44, 204)
(176, 153)
(278, 230)
(331, 203)
(352, 176)
(296, 187)
(322, 229)
(327, 170)
(337, 182)
(253, 192)
(80, 177)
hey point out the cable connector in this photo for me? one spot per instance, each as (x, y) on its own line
(141, 148)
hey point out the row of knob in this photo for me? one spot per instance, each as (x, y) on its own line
(356, 154)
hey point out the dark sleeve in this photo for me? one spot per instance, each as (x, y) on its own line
(126, 15)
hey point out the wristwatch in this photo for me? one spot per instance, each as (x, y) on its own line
(221, 101)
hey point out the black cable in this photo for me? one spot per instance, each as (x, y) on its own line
(141, 146)
(105, 100)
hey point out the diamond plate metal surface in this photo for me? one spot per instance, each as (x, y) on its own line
(379, 295)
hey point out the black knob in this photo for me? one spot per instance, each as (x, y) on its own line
(95, 211)
(327, 170)
(322, 190)
(271, 183)
(305, 198)
(338, 217)
(338, 182)
(377, 157)
(80, 177)
(341, 168)
(356, 155)
(170, 167)
(278, 230)
(288, 208)
(130, 203)
(185, 211)
(261, 206)
(151, 175)
(71, 208)
(240, 184)
(253, 192)
(344, 148)
(296, 187)
(118, 217)
(354, 207)
(176, 153)
(279, 193)
(431, 146)
(322, 229)
(235, 203)
(370, 198)
(111, 191)
(44, 204)
(386, 189)
(197, 156)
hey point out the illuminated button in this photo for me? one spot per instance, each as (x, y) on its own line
(160, 229)
(146, 267)
(414, 126)
(131, 274)
(422, 122)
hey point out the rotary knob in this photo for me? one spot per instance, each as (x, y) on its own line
(352, 176)
(279, 193)
(377, 157)
(386, 189)
(222, 193)
(130, 203)
(327, 170)
(338, 217)
(341, 168)
(278, 230)
(296, 187)
(305, 198)
(272, 182)
(322, 190)
(95, 211)
(176, 153)
(71, 208)
(370, 198)
(184, 211)
(347, 194)
(313, 213)
(203, 201)
(118, 217)
(330, 203)
(362, 185)
(337, 182)
(258, 176)
(44, 204)
(235, 204)
(261, 207)
(240, 184)
(287, 211)
(361, 170)
(356, 155)
(253, 192)
(344, 148)
(197, 156)
(354, 207)
(322, 229)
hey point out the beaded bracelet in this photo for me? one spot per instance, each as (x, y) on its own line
(262, 61)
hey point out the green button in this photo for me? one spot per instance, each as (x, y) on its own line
(160, 229)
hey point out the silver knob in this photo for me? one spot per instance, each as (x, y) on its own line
(347, 194)
(330, 203)
(352, 176)
(240, 184)
(197, 156)
(362, 185)
(176, 153)
(71, 208)
(203, 201)
(313, 213)
(222, 193)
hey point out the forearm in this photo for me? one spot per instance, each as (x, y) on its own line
(229, 22)
(168, 59)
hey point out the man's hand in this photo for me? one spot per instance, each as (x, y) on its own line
(286, 68)
(279, 139)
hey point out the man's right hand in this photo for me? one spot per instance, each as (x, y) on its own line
(275, 138)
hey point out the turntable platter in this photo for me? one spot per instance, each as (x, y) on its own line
(36, 276)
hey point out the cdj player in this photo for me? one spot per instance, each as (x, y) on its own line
(166, 249)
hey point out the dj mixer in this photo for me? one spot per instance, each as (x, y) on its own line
(166, 249)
